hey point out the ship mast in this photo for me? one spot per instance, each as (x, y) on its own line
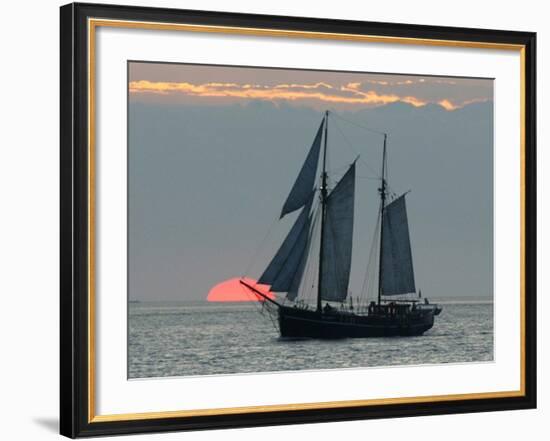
(323, 212)
(382, 191)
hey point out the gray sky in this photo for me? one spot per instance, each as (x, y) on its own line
(214, 151)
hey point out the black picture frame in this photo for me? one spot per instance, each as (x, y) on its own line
(76, 419)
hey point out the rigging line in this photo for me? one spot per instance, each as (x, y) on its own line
(304, 259)
(354, 150)
(378, 132)
(310, 273)
(374, 242)
(376, 279)
(369, 277)
(333, 180)
(312, 287)
(259, 247)
(271, 314)
(388, 170)
(313, 275)
(314, 269)
(368, 177)
(259, 307)
(262, 243)
(339, 169)
(307, 272)
(366, 281)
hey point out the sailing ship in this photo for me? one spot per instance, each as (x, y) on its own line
(390, 314)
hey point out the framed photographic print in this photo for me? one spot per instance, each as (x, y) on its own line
(274, 220)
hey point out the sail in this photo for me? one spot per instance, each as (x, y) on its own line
(297, 279)
(301, 190)
(338, 239)
(397, 275)
(286, 263)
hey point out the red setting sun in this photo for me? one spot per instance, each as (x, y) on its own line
(232, 291)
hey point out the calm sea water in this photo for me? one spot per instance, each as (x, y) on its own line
(200, 338)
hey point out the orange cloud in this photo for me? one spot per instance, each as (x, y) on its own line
(447, 105)
(350, 93)
(352, 86)
(302, 86)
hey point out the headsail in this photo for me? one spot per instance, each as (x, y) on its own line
(338, 239)
(297, 279)
(286, 264)
(397, 275)
(301, 190)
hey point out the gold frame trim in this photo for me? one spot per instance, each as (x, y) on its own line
(92, 25)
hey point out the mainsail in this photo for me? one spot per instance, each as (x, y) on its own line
(338, 239)
(286, 266)
(397, 275)
(301, 190)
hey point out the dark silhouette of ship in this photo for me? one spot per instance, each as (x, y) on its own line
(331, 224)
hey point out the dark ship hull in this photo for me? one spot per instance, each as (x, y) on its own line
(302, 323)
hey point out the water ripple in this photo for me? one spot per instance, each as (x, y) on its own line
(205, 339)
